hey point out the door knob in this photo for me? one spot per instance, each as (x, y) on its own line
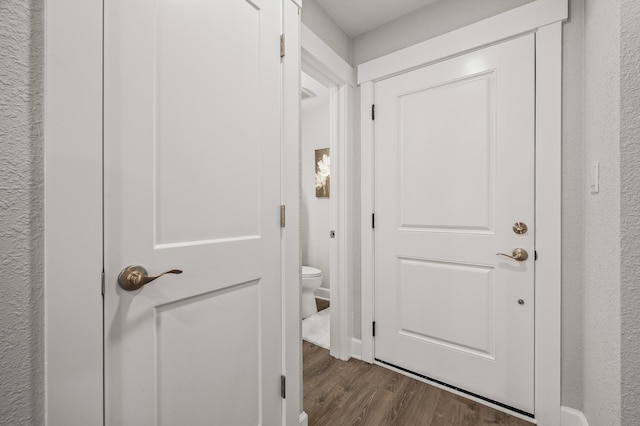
(135, 276)
(518, 254)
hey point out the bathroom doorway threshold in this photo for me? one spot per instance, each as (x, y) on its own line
(327, 67)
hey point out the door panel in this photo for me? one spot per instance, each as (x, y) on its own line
(184, 389)
(461, 323)
(454, 146)
(192, 182)
(199, 136)
(459, 155)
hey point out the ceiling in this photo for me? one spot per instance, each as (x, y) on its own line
(358, 16)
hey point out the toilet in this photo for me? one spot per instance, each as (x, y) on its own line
(311, 280)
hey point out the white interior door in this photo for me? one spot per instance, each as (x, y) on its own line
(192, 182)
(454, 171)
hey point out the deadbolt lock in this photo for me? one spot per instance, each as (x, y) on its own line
(520, 228)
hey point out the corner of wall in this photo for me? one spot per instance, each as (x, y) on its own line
(318, 21)
(630, 211)
(601, 261)
(573, 204)
(22, 212)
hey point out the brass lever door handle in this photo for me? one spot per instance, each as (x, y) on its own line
(518, 254)
(135, 276)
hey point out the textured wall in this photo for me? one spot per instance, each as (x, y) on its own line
(315, 217)
(573, 198)
(630, 210)
(601, 275)
(21, 213)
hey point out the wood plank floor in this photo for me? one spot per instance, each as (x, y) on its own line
(341, 393)
(322, 304)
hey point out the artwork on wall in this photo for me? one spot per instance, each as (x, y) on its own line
(323, 166)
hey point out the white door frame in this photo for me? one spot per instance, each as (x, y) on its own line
(73, 213)
(323, 64)
(544, 18)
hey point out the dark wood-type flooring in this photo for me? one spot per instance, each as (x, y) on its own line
(338, 393)
(322, 304)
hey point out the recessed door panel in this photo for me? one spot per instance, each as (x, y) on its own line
(446, 152)
(446, 304)
(199, 137)
(194, 353)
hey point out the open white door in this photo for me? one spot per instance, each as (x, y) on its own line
(192, 182)
(454, 173)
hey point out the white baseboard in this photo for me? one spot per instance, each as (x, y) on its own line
(323, 293)
(356, 348)
(304, 419)
(572, 417)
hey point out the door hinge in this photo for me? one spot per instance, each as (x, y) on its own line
(281, 46)
(283, 387)
(535, 255)
(283, 216)
(373, 112)
(102, 284)
(373, 220)
(373, 329)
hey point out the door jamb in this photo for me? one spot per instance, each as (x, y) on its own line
(292, 409)
(544, 18)
(323, 64)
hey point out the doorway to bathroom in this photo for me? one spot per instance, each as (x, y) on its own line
(326, 213)
(316, 230)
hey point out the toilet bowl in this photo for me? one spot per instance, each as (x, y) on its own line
(311, 280)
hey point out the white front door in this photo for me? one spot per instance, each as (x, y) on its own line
(192, 182)
(454, 171)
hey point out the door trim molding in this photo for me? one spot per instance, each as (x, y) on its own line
(326, 66)
(523, 19)
(292, 349)
(544, 18)
(73, 212)
(548, 269)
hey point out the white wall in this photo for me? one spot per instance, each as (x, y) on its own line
(601, 232)
(591, 222)
(21, 213)
(314, 212)
(573, 199)
(321, 24)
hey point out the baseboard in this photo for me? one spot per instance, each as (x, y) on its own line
(356, 348)
(304, 419)
(323, 293)
(572, 417)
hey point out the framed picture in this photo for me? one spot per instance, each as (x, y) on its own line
(323, 168)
